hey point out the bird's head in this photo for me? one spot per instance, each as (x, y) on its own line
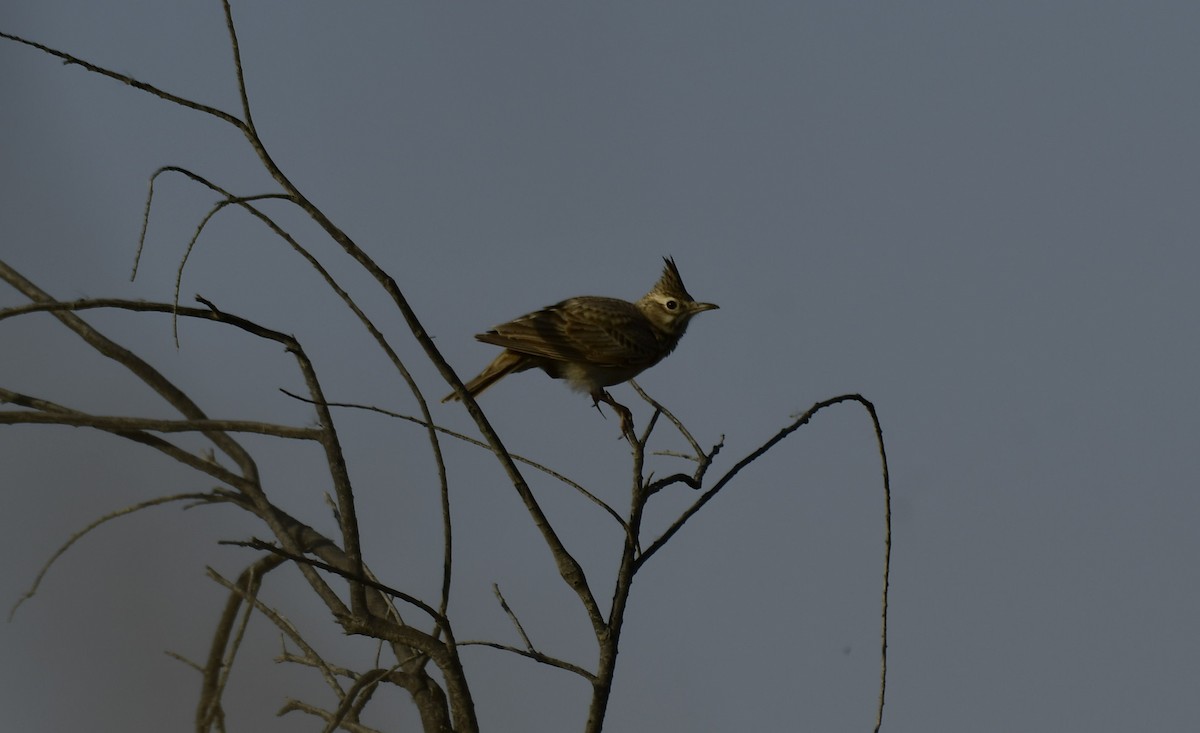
(669, 305)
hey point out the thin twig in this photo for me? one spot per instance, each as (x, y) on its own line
(209, 710)
(111, 423)
(125, 79)
(204, 463)
(320, 565)
(229, 200)
(478, 443)
(248, 482)
(366, 683)
(535, 656)
(75, 537)
(315, 711)
(249, 593)
(512, 616)
(670, 416)
(184, 660)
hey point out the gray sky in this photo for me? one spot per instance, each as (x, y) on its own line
(981, 216)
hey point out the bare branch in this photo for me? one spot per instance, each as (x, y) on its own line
(365, 580)
(206, 465)
(116, 424)
(220, 205)
(362, 689)
(512, 616)
(444, 655)
(240, 592)
(184, 660)
(247, 590)
(658, 408)
(887, 500)
(149, 375)
(135, 365)
(887, 561)
(535, 656)
(478, 443)
(529, 652)
(124, 511)
(125, 79)
(315, 711)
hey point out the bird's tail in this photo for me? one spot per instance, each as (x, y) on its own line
(503, 365)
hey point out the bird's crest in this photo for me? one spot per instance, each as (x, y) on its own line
(671, 283)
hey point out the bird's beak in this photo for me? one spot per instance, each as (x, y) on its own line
(698, 307)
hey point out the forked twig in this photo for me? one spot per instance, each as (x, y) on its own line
(530, 651)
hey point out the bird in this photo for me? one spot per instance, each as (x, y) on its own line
(593, 342)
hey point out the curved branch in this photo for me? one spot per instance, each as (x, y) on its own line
(62, 549)
(887, 501)
(227, 639)
(376, 334)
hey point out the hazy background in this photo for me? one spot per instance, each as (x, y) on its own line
(981, 216)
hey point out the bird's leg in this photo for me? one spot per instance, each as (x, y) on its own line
(626, 416)
(596, 404)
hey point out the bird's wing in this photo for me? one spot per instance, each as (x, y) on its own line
(592, 330)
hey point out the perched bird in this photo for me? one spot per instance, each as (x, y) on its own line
(593, 342)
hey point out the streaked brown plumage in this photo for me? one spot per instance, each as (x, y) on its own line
(593, 342)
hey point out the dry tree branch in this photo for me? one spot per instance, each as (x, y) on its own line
(536, 656)
(129, 80)
(360, 690)
(425, 694)
(297, 539)
(245, 591)
(205, 465)
(135, 365)
(303, 707)
(217, 207)
(248, 483)
(219, 667)
(659, 409)
(184, 660)
(463, 708)
(366, 580)
(348, 300)
(78, 535)
(530, 651)
(463, 712)
(569, 568)
(512, 616)
(887, 502)
(480, 444)
(118, 424)
(703, 460)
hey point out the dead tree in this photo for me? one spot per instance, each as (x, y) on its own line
(418, 634)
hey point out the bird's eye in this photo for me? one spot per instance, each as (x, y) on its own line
(672, 305)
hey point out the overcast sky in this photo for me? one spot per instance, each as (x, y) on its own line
(983, 217)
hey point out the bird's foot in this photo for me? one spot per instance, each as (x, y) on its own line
(622, 411)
